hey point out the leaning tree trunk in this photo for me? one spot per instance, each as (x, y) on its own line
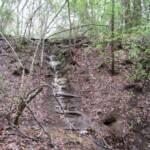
(24, 102)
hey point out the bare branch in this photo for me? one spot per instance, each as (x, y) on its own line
(59, 11)
(13, 50)
(73, 28)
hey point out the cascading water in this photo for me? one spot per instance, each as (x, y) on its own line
(69, 104)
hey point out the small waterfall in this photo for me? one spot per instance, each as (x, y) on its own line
(55, 65)
(60, 85)
(69, 102)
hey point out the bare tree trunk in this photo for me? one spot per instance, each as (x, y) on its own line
(137, 12)
(148, 16)
(127, 13)
(23, 103)
(69, 17)
(70, 31)
(112, 37)
(18, 19)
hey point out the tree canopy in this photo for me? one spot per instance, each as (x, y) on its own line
(31, 18)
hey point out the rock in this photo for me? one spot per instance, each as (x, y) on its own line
(55, 65)
(66, 94)
(60, 81)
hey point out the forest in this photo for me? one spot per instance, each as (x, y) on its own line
(74, 74)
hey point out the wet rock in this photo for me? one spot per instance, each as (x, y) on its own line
(65, 94)
(73, 114)
(60, 81)
(54, 63)
(70, 113)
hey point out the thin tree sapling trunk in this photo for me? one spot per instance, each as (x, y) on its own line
(112, 38)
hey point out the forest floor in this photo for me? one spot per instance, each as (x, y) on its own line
(117, 107)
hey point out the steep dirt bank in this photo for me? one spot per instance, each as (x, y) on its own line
(119, 115)
(110, 100)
